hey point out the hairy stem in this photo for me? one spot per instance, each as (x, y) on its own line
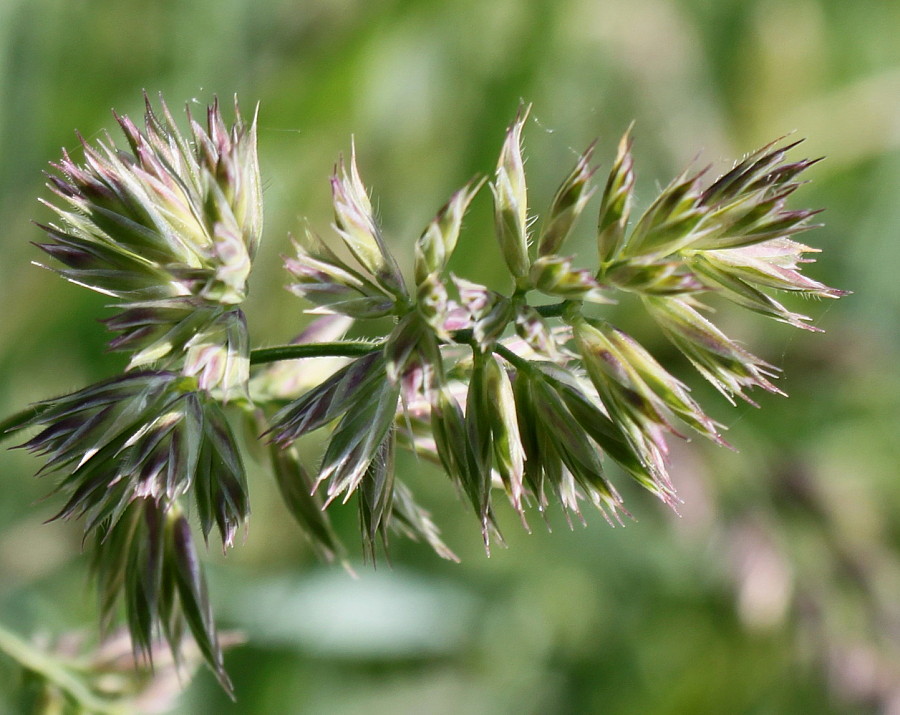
(260, 356)
(312, 350)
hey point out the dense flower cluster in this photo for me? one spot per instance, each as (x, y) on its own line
(168, 228)
(529, 393)
(506, 398)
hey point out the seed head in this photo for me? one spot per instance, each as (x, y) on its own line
(177, 216)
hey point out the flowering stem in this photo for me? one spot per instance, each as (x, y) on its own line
(312, 350)
(17, 421)
(358, 349)
(553, 310)
(517, 362)
(260, 356)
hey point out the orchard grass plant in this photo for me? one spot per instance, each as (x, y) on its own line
(528, 395)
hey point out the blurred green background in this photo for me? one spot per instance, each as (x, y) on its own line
(777, 590)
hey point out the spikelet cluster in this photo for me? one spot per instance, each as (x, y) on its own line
(527, 395)
(512, 395)
(166, 225)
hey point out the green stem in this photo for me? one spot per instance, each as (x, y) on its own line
(54, 671)
(312, 350)
(260, 356)
(517, 362)
(462, 337)
(554, 310)
(316, 350)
